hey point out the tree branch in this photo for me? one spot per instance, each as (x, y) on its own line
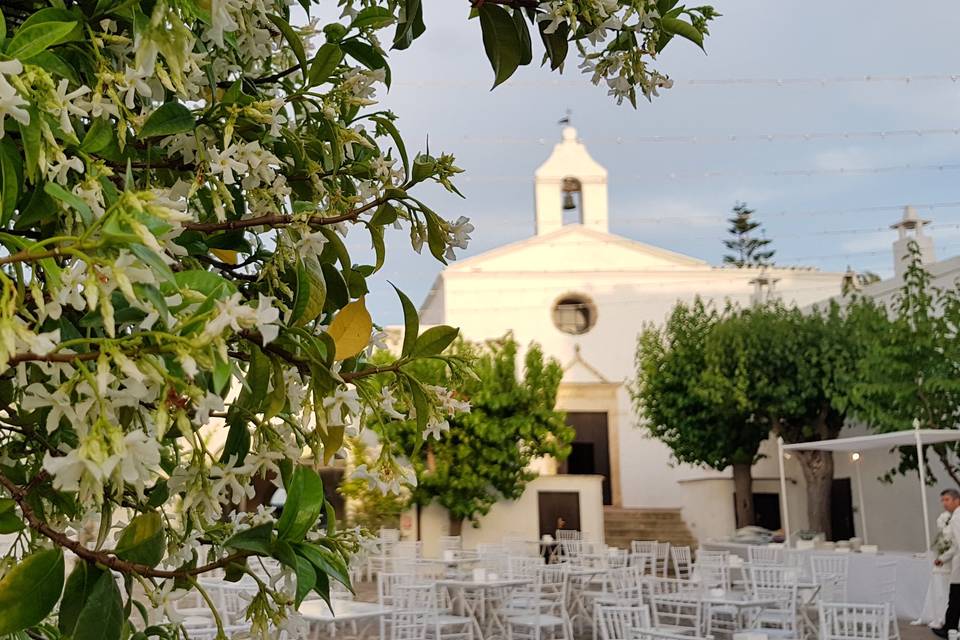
(278, 220)
(104, 558)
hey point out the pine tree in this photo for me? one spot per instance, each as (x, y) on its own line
(747, 251)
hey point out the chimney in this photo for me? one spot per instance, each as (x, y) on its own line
(910, 229)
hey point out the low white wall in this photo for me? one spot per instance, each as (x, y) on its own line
(515, 517)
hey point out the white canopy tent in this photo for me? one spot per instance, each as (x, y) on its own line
(916, 437)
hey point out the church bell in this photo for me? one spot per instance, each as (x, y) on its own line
(568, 203)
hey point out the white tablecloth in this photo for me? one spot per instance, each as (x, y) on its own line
(913, 576)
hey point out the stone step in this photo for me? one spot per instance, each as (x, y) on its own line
(622, 525)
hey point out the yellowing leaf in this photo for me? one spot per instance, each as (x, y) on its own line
(351, 329)
(225, 255)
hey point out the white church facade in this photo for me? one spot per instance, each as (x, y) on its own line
(584, 294)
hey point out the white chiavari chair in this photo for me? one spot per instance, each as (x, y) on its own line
(663, 558)
(615, 622)
(843, 621)
(830, 572)
(682, 561)
(765, 555)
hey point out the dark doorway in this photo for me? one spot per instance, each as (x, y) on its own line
(558, 505)
(841, 509)
(766, 508)
(590, 451)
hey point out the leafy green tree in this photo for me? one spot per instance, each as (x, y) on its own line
(748, 250)
(179, 313)
(798, 370)
(485, 457)
(682, 396)
(909, 369)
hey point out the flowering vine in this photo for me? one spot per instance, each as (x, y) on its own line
(179, 314)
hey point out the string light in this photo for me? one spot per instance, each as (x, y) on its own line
(725, 173)
(931, 206)
(814, 136)
(869, 79)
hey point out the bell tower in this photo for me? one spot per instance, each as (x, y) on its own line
(570, 181)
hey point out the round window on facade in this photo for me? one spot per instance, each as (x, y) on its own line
(574, 313)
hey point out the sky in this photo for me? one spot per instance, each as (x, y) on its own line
(811, 192)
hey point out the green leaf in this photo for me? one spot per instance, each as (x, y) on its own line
(411, 322)
(436, 238)
(238, 438)
(324, 63)
(55, 65)
(337, 294)
(168, 119)
(373, 18)
(3, 29)
(102, 615)
(152, 260)
(143, 540)
(207, 283)
(258, 379)
(98, 136)
(257, 539)
(683, 29)
(412, 26)
(501, 41)
(30, 135)
(31, 40)
(434, 340)
(9, 522)
(391, 129)
(296, 44)
(54, 190)
(311, 294)
(325, 561)
(385, 214)
(526, 47)
(379, 248)
(367, 56)
(11, 179)
(303, 506)
(222, 372)
(29, 591)
(306, 579)
(420, 404)
(555, 44)
(77, 591)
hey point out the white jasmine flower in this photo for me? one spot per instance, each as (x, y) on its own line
(311, 245)
(224, 163)
(344, 404)
(10, 102)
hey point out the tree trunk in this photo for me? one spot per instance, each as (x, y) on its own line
(743, 494)
(818, 472)
(456, 524)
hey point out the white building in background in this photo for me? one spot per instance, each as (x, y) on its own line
(585, 294)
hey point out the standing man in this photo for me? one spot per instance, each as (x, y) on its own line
(950, 499)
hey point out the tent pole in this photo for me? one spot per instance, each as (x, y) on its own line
(863, 508)
(783, 494)
(922, 465)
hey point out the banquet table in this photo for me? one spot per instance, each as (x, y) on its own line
(481, 599)
(342, 611)
(914, 572)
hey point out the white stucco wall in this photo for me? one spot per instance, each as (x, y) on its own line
(512, 517)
